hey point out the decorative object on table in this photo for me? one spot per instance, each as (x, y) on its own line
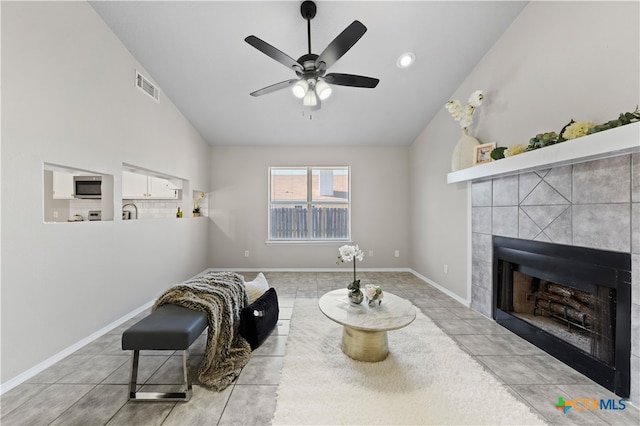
(373, 294)
(196, 204)
(347, 254)
(355, 296)
(482, 153)
(463, 152)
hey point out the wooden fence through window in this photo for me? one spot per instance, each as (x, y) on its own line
(292, 223)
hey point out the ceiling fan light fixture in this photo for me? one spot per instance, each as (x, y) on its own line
(300, 89)
(323, 90)
(310, 98)
(406, 60)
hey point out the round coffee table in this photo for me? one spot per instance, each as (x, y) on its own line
(364, 334)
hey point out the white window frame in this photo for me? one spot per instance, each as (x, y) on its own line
(309, 203)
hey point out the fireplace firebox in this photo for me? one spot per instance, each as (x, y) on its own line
(572, 302)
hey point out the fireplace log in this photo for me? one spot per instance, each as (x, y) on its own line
(565, 300)
(565, 311)
(582, 296)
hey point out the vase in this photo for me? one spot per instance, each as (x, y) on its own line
(463, 152)
(356, 296)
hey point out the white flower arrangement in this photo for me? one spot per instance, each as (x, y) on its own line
(374, 294)
(196, 202)
(464, 115)
(515, 150)
(351, 253)
(577, 129)
(348, 253)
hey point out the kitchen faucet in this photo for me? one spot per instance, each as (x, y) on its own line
(134, 206)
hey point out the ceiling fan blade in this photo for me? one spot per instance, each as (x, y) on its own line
(274, 87)
(341, 44)
(351, 80)
(273, 53)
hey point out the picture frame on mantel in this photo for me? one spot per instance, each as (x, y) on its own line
(482, 153)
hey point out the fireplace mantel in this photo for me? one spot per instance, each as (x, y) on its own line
(609, 143)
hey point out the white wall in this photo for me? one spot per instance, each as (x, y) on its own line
(68, 98)
(239, 195)
(557, 61)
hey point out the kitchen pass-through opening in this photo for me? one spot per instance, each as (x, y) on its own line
(572, 302)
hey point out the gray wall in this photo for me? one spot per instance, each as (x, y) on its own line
(238, 208)
(557, 61)
(68, 98)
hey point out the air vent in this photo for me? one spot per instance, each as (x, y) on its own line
(147, 86)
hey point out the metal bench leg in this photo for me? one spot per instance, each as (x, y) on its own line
(133, 374)
(160, 396)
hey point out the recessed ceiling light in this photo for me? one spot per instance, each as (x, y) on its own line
(406, 60)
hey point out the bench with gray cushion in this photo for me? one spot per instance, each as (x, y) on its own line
(172, 327)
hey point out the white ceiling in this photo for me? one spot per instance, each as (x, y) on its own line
(196, 53)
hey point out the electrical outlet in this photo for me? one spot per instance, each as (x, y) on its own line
(55, 214)
(397, 253)
(246, 253)
(445, 268)
(370, 253)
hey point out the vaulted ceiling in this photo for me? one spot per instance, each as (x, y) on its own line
(196, 53)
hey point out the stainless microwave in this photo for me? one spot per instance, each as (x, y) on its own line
(87, 186)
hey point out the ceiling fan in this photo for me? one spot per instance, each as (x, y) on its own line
(312, 84)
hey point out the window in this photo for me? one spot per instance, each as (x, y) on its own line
(309, 204)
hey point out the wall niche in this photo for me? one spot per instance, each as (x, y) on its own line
(73, 195)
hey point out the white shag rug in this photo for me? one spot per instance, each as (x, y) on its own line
(426, 380)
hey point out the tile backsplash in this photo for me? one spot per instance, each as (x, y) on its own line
(147, 209)
(157, 209)
(82, 207)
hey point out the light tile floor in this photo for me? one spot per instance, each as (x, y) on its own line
(89, 387)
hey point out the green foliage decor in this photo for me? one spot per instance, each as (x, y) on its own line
(624, 118)
(572, 130)
(541, 140)
(498, 153)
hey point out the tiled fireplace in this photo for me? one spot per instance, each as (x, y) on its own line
(593, 204)
(573, 302)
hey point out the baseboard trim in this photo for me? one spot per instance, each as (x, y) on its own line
(244, 269)
(446, 291)
(26, 375)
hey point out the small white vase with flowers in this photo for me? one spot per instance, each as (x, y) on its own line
(463, 152)
(373, 294)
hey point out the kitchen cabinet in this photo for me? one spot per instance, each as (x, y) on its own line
(62, 186)
(162, 188)
(136, 186)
